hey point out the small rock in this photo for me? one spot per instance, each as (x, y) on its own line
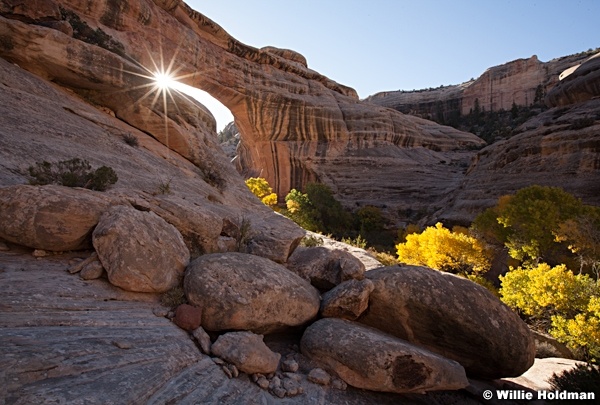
(218, 361)
(247, 351)
(233, 369)
(262, 382)
(203, 339)
(279, 392)
(92, 271)
(171, 314)
(293, 376)
(4, 247)
(188, 317)
(227, 371)
(80, 264)
(291, 387)
(121, 344)
(339, 384)
(160, 312)
(255, 377)
(290, 365)
(275, 383)
(39, 253)
(319, 376)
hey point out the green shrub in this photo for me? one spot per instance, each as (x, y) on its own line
(582, 378)
(173, 297)
(130, 140)
(72, 173)
(311, 241)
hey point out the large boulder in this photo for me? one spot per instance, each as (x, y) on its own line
(139, 250)
(367, 358)
(325, 268)
(50, 217)
(451, 316)
(244, 292)
(247, 352)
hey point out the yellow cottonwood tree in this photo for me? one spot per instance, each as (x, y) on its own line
(261, 188)
(442, 249)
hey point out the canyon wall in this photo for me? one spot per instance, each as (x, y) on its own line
(497, 88)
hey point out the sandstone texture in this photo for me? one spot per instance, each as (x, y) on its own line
(379, 362)
(50, 217)
(325, 268)
(319, 123)
(139, 250)
(347, 300)
(497, 88)
(558, 147)
(577, 84)
(244, 292)
(247, 352)
(451, 316)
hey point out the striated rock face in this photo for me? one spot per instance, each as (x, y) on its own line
(579, 83)
(450, 316)
(497, 88)
(559, 147)
(318, 123)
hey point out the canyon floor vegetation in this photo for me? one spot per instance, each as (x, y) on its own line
(551, 241)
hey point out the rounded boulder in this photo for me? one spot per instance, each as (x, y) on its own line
(451, 316)
(139, 250)
(238, 291)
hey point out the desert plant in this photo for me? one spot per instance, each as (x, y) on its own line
(173, 297)
(261, 188)
(386, 259)
(245, 235)
(442, 249)
(72, 173)
(311, 241)
(164, 187)
(358, 242)
(130, 140)
(582, 378)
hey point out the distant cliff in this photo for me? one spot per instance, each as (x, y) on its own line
(522, 82)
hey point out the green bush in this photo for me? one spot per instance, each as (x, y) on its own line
(311, 241)
(582, 378)
(72, 173)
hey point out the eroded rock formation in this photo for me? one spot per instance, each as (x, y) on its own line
(318, 125)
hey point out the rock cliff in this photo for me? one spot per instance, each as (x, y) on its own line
(497, 88)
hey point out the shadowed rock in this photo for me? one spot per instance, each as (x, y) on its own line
(367, 358)
(50, 217)
(451, 316)
(244, 292)
(247, 352)
(139, 250)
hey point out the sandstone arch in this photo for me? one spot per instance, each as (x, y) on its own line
(296, 124)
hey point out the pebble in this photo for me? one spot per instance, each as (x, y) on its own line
(319, 376)
(290, 365)
(39, 253)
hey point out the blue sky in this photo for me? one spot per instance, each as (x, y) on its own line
(377, 45)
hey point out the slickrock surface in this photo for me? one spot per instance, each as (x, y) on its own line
(66, 340)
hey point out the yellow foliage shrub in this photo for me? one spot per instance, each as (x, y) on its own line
(441, 249)
(261, 188)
